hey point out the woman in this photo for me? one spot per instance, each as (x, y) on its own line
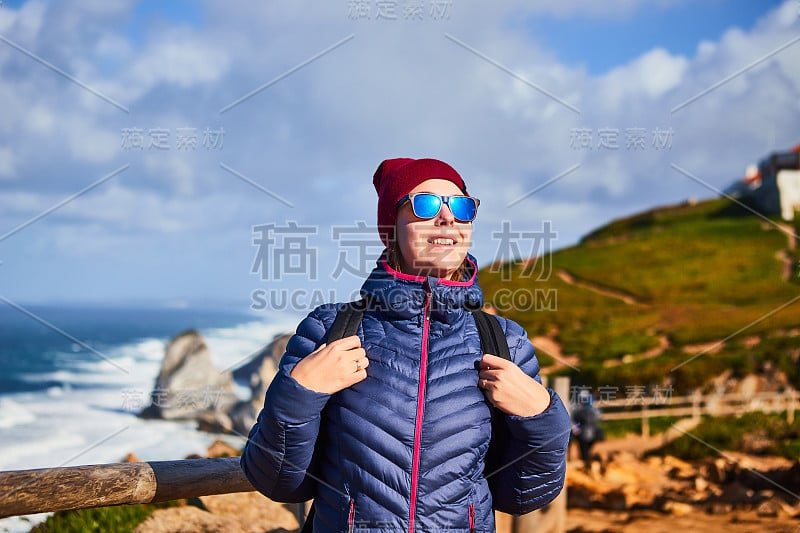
(402, 444)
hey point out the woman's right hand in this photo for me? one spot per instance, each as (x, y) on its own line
(333, 367)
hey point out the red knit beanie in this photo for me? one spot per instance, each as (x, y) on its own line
(397, 177)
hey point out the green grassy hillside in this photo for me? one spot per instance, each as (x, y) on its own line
(691, 274)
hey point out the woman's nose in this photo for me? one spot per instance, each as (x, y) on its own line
(445, 216)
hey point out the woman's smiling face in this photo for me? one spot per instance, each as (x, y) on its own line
(436, 246)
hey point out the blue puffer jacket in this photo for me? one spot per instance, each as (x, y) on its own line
(405, 449)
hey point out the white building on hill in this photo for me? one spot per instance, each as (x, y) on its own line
(773, 186)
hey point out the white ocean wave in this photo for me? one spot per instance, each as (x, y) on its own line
(13, 414)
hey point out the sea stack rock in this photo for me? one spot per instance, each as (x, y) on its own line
(258, 373)
(188, 385)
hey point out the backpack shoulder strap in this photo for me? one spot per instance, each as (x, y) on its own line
(347, 320)
(308, 523)
(344, 325)
(493, 340)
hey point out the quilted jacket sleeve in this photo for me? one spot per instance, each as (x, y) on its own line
(278, 456)
(531, 463)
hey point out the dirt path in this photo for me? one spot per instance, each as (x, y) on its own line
(788, 230)
(786, 264)
(552, 347)
(663, 344)
(593, 520)
(784, 256)
(638, 445)
(629, 299)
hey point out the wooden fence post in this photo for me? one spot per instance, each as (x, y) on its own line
(553, 517)
(696, 406)
(559, 505)
(645, 422)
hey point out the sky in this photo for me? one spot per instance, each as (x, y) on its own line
(221, 153)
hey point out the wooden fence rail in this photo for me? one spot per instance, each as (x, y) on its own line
(710, 404)
(25, 492)
(80, 487)
(697, 405)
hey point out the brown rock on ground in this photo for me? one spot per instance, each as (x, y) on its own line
(625, 483)
(188, 519)
(597, 521)
(247, 512)
(222, 449)
(677, 508)
(254, 511)
(768, 508)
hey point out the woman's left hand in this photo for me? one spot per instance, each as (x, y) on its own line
(510, 389)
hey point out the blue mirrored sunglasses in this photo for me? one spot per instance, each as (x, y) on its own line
(428, 205)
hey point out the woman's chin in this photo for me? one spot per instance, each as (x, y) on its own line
(442, 268)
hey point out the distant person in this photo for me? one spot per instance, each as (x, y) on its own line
(586, 425)
(389, 429)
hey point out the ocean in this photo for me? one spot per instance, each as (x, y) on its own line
(73, 378)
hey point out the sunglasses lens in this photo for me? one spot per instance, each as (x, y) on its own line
(464, 208)
(427, 205)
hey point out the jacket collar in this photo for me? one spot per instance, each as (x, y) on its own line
(403, 296)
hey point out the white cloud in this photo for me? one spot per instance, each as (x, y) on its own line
(174, 169)
(178, 60)
(40, 120)
(7, 167)
(614, 9)
(89, 141)
(25, 22)
(397, 88)
(652, 75)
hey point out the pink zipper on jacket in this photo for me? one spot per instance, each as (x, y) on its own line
(351, 516)
(471, 517)
(423, 372)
